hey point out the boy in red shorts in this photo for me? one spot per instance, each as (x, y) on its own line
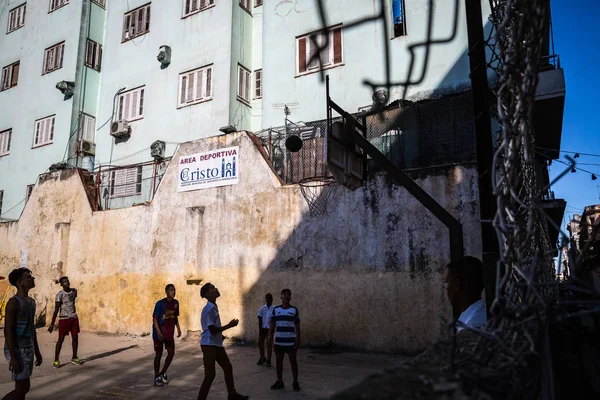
(67, 322)
(164, 321)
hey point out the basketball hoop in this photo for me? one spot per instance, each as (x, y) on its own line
(316, 191)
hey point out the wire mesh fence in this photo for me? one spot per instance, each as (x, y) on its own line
(426, 134)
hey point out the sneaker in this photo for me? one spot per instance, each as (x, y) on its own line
(158, 381)
(56, 364)
(268, 364)
(76, 361)
(261, 361)
(164, 379)
(277, 385)
(296, 386)
(237, 396)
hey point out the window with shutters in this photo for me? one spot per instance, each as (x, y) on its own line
(243, 90)
(125, 182)
(136, 23)
(195, 86)
(28, 192)
(101, 3)
(10, 76)
(131, 104)
(53, 58)
(245, 4)
(398, 18)
(191, 7)
(44, 131)
(93, 55)
(324, 46)
(87, 128)
(16, 18)
(258, 3)
(56, 4)
(258, 84)
(5, 137)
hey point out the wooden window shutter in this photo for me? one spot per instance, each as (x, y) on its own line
(190, 87)
(126, 107)
(183, 89)
(208, 82)
(52, 128)
(302, 55)
(141, 110)
(337, 46)
(199, 85)
(15, 74)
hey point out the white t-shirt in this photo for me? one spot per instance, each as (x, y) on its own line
(67, 303)
(265, 313)
(210, 316)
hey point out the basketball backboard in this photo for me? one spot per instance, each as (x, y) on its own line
(345, 160)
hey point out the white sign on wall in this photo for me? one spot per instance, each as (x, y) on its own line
(213, 168)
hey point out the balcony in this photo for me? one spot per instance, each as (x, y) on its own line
(549, 106)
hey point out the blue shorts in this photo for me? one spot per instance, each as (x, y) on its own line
(25, 356)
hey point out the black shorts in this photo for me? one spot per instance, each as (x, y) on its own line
(285, 349)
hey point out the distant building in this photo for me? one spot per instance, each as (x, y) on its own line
(51, 60)
(584, 245)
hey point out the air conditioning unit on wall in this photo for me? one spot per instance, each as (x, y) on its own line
(87, 147)
(120, 129)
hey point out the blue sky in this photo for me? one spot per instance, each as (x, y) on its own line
(576, 26)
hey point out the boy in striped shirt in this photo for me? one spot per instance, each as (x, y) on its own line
(285, 333)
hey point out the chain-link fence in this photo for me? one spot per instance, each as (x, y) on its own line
(126, 186)
(418, 135)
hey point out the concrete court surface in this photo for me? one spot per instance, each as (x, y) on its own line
(120, 367)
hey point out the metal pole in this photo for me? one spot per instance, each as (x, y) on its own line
(483, 143)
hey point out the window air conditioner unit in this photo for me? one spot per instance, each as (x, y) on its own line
(87, 147)
(120, 129)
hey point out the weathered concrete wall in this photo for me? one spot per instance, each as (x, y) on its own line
(369, 275)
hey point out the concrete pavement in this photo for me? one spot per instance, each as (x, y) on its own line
(120, 367)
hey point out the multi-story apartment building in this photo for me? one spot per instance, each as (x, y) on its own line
(50, 59)
(174, 71)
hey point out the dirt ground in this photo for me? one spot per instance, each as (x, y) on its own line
(120, 367)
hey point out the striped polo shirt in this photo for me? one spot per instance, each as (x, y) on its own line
(285, 329)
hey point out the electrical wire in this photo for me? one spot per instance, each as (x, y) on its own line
(569, 152)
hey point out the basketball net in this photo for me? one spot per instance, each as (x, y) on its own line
(316, 192)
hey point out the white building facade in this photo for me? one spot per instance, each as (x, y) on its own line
(44, 43)
(228, 64)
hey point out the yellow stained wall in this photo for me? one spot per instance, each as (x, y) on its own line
(368, 275)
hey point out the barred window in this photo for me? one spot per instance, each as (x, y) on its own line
(53, 58)
(258, 84)
(195, 6)
(195, 86)
(93, 55)
(5, 137)
(243, 91)
(44, 131)
(126, 182)
(16, 18)
(307, 46)
(56, 4)
(10, 76)
(131, 104)
(136, 23)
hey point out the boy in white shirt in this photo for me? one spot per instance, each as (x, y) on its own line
(211, 342)
(264, 323)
